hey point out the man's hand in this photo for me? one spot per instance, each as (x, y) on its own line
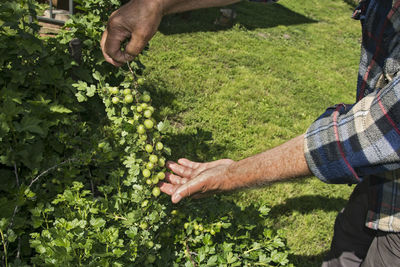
(281, 163)
(195, 179)
(137, 21)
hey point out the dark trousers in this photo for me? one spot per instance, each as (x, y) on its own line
(353, 244)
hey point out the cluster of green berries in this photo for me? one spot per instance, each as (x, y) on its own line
(142, 119)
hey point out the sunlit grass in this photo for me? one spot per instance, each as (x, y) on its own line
(238, 91)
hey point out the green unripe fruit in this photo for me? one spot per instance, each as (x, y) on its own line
(145, 203)
(186, 225)
(127, 91)
(161, 162)
(114, 90)
(154, 180)
(196, 232)
(147, 113)
(140, 81)
(150, 244)
(161, 175)
(153, 158)
(159, 146)
(148, 181)
(150, 108)
(174, 212)
(115, 100)
(148, 124)
(149, 165)
(146, 98)
(139, 109)
(141, 129)
(212, 232)
(143, 137)
(156, 191)
(146, 173)
(128, 99)
(143, 105)
(149, 148)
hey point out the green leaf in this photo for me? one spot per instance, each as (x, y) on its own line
(91, 90)
(97, 222)
(81, 97)
(60, 109)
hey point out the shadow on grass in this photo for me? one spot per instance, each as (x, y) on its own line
(307, 261)
(308, 204)
(195, 144)
(249, 15)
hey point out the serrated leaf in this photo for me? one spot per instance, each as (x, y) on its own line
(80, 97)
(60, 109)
(91, 90)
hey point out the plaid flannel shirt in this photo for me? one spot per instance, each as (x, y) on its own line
(350, 143)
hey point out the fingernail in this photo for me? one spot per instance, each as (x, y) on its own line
(176, 198)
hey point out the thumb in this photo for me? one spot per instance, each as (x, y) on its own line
(135, 45)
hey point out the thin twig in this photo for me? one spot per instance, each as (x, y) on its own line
(189, 254)
(130, 69)
(16, 174)
(50, 169)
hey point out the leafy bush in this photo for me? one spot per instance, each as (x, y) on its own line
(81, 156)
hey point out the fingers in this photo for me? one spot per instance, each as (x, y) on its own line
(108, 58)
(180, 169)
(174, 179)
(188, 189)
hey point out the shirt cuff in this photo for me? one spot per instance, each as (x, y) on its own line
(323, 149)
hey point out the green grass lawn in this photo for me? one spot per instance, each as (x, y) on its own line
(233, 92)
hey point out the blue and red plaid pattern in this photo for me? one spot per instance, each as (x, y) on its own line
(349, 143)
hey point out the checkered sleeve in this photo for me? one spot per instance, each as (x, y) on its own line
(348, 142)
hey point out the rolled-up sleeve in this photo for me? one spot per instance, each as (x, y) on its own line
(348, 142)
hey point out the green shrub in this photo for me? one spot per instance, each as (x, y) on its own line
(77, 137)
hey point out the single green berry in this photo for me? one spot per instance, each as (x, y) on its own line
(127, 91)
(154, 180)
(115, 100)
(141, 129)
(153, 158)
(114, 90)
(159, 146)
(147, 113)
(161, 175)
(148, 124)
(146, 173)
(156, 191)
(149, 148)
(161, 162)
(150, 165)
(146, 98)
(128, 99)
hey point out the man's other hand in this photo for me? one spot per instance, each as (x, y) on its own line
(137, 22)
(196, 179)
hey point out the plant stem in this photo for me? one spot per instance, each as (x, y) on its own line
(4, 247)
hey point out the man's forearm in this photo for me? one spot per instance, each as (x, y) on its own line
(278, 164)
(177, 6)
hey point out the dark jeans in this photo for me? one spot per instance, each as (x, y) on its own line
(353, 244)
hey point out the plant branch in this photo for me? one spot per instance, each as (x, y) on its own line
(50, 169)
